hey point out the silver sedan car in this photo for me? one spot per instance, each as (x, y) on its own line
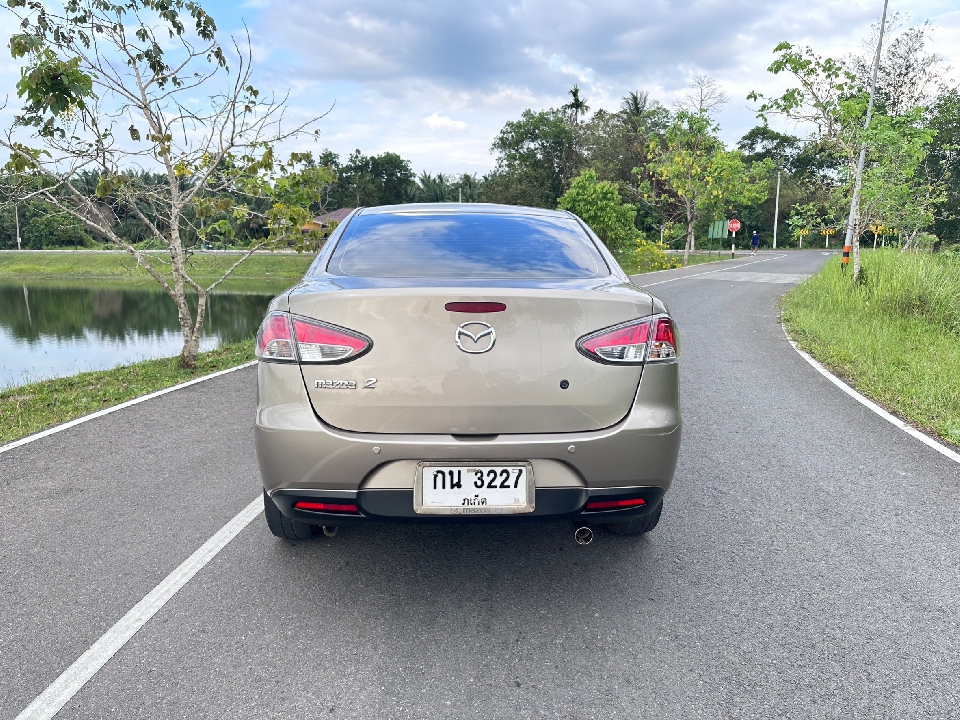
(466, 363)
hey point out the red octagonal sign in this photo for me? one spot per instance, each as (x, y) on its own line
(734, 225)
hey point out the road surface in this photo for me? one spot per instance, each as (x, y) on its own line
(806, 564)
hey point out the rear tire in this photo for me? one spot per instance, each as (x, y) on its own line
(637, 526)
(282, 526)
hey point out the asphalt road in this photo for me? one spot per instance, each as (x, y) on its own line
(807, 564)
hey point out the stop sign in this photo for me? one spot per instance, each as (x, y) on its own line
(734, 225)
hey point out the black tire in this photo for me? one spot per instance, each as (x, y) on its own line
(282, 526)
(637, 526)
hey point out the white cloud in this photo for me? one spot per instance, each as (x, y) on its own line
(438, 121)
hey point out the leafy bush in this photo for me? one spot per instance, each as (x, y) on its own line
(598, 204)
(650, 256)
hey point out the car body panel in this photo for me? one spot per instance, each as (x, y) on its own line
(425, 383)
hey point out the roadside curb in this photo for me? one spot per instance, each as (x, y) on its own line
(871, 405)
(114, 408)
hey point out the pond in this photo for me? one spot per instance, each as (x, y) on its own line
(54, 330)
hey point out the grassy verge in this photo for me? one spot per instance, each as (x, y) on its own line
(637, 266)
(52, 265)
(896, 338)
(30, 408)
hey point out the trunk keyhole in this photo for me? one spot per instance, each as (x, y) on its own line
(564, 384)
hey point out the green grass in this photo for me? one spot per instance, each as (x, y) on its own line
(896, 337)
(636, 266)
(51, 265)
(30, 408)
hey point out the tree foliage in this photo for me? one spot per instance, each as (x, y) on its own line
(598, 203)
(108, 92)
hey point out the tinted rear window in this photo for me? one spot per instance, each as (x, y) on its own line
(468, 245)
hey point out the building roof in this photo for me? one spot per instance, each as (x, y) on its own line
(333, 216)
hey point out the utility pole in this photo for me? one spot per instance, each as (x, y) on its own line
(16, 215)
(460, 191)
(858, 177)
(776, 212)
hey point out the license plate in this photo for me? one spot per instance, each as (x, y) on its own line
(473, 488)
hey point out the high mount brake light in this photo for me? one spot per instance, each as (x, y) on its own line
(287, 338)
(632, 343)
(475, 307)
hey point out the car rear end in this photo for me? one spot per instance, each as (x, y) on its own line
(466, 363)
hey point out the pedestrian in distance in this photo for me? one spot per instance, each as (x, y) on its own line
(754, 243)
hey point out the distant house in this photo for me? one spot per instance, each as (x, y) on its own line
(321, 221)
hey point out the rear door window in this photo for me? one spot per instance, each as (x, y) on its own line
(468, 245)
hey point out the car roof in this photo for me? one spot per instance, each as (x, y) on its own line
(460, 209)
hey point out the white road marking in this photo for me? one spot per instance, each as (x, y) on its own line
(121, 406)
(871, 405)
(58, 694)
(709, 272)
(761, 277)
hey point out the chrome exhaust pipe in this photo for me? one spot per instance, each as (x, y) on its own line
(583, 535)
(330, 531)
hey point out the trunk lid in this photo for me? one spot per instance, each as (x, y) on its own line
(425, 383)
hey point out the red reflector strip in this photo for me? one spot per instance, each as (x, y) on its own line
(326, 507)
(475, 307)
(615, 504)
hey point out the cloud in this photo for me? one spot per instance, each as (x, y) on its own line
(438, 121)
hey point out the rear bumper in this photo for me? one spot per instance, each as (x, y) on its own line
(302, 457)
(397, 506)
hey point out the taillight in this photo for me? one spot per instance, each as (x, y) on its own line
(632, 343)
(275, 339)
(664, 344)
(322, 343)
(624, 344)
(287, 338)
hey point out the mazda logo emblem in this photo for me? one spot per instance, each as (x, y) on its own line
(477, 340)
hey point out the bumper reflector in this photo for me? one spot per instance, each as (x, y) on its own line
(326, 507)
(615, 504)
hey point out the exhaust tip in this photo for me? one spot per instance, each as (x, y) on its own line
(583, 535)
(330, 531)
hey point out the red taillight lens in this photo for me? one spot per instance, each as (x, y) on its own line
(327, 507)
(475, 307)
(664, 344)
(633, 343)
(287, 338)
(321, 343)
(275, 340)
(624, 344)
(615, 504)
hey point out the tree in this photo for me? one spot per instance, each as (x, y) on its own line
(534, 160)
(829, 97)
(110, 88)
(598, 203)
(698, 175)
(577, 107)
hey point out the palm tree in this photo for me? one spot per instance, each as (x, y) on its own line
(577, 105)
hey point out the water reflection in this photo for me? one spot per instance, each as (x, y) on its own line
(48, 330)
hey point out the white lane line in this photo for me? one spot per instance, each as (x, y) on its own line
(58, 694)
(709, 272)
(871, 405)
(121, 406)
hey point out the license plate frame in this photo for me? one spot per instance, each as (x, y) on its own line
(527, 506)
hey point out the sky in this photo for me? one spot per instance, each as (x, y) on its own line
(435, 81)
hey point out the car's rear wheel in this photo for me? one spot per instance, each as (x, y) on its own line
(637, 526)
(282, 526)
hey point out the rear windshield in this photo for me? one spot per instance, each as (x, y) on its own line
(471, 245)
